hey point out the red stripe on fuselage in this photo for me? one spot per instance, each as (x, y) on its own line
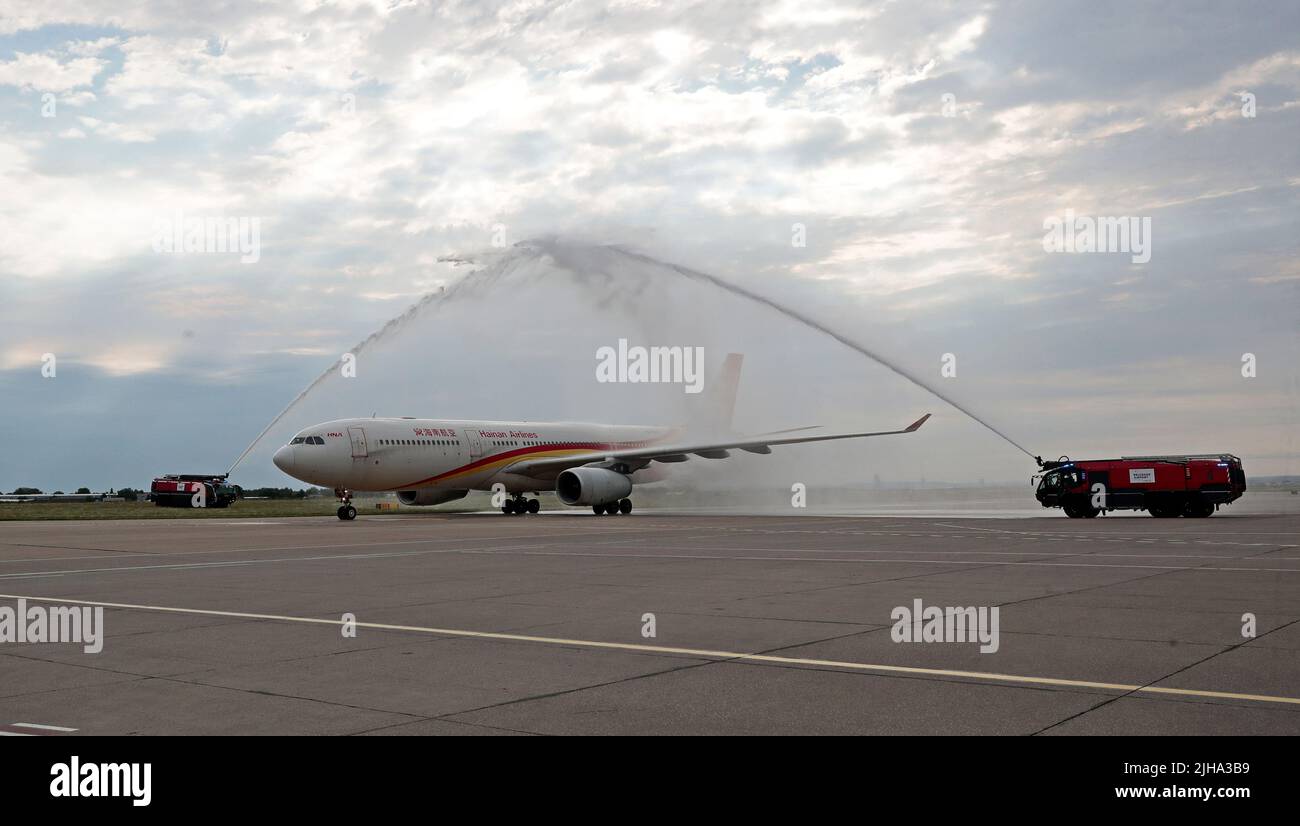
(524, 451)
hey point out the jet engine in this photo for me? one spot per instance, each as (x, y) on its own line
(591, 486)
(429, 496)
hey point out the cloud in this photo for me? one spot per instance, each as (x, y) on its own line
(45, 73)
(373, 140)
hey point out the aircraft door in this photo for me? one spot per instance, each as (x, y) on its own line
(475, 446)
(358, 437)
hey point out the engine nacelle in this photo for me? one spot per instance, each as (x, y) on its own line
(429, 496)
(591, 486)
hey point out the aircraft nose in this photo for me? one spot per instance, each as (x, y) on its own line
(283, 459)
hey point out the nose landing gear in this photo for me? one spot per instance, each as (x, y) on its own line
(346, 511)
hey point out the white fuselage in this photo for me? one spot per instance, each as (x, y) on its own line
(444, 454)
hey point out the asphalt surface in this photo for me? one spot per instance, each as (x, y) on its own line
(762, 624)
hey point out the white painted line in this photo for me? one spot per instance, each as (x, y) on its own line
(43, 727)
(508, 551)
(988, 563)
(15, 734)
(695, 652)
(317, 547)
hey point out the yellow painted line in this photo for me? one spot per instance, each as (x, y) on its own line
(693, 652)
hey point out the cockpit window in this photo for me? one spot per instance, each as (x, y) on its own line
(317, 440)
(297, 440)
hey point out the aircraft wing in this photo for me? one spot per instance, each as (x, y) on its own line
(633, 459)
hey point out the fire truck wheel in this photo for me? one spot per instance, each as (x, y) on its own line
(1199, 510)
(1089, 512)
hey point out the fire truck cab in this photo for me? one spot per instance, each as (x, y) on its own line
(1164, 486)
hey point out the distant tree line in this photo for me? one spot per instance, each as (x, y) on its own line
(129, 494)
(135, 495)
(283, 493)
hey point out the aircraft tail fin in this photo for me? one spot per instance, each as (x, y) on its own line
(720, 405)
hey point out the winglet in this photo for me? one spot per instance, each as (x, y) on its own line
(916, 425)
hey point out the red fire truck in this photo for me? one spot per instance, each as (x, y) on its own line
(192, 490)
(1164, 486)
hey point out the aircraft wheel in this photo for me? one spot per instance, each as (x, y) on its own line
(599, 510)
(508, 508)
(349, 513)
(343, 512)
(534, 506)
(625, 506)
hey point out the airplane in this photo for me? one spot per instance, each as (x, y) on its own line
(432, 461)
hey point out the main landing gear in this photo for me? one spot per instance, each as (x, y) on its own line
(521, 505)
(345, 512)
(613, 508)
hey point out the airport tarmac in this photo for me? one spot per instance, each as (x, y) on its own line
(488, 624)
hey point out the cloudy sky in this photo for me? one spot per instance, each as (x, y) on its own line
(916, 149)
